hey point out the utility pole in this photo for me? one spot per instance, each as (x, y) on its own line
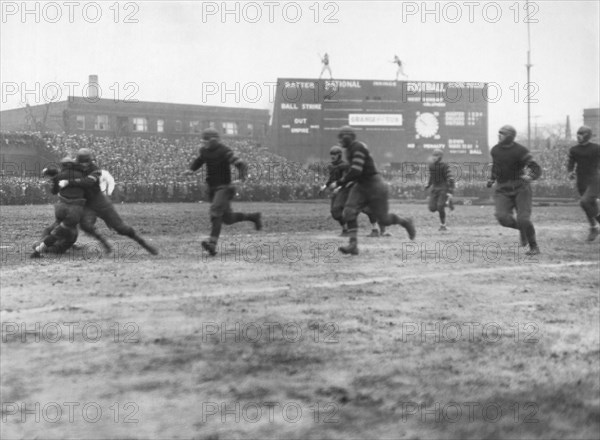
(528, 65)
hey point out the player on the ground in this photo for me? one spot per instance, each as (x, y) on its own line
(218, 159)
(441, 182)
(584, 160)
(100, 205)
(67, 210)
(513, 169)
(368, 190)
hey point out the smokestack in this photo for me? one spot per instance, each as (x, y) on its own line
(93, 87)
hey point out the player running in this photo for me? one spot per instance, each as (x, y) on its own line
(368, 190)
(513, 169)
(218, 159)
(441, 182)
(337, 168)
(584, 160)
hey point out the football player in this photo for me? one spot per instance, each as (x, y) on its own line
(218, 159)
(513, 169)
(368, 190)
(98, 204)
(337, 168)
(441, 182)
(584, 159)
(67, 210)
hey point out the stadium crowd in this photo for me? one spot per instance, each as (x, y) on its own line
(149, 170)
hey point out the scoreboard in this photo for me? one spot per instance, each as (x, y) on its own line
(400, 121)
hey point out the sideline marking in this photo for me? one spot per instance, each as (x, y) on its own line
(233, 290)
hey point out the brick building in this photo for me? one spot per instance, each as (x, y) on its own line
(105, 117)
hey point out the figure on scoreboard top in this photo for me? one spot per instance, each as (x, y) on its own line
(400, 70)
(325, 62)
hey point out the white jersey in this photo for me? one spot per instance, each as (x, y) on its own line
(107, 183)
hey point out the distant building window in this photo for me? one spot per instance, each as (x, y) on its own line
(230, 128)
(195, 127)
(80, 122)
(250, 129)
(101, 122)
(160, 125)
(140, 124)
(178, 126)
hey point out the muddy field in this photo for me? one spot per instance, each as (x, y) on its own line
(454, 335)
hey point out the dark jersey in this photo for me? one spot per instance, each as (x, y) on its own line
(218, 159)
(587, 159)
(440, 175)
(511, 161)
(362, 166)
(90, 183)
(68, 192)
(336, 171)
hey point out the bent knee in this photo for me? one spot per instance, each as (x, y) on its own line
(504, 219)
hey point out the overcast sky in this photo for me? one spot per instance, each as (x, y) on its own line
(177, 50)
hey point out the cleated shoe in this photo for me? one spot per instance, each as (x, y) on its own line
(35, 254)
(443, 228)
(351, 249)
(257, 221)
(533, 250)
(148, 247)
(410, 228)
(386, 234)
(593, 234)
(209, 247)
(374, 233)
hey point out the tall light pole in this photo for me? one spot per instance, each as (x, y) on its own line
(528, 65)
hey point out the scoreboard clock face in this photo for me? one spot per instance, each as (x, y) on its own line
(427, 125)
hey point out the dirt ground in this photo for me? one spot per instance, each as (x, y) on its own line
(455, 335)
